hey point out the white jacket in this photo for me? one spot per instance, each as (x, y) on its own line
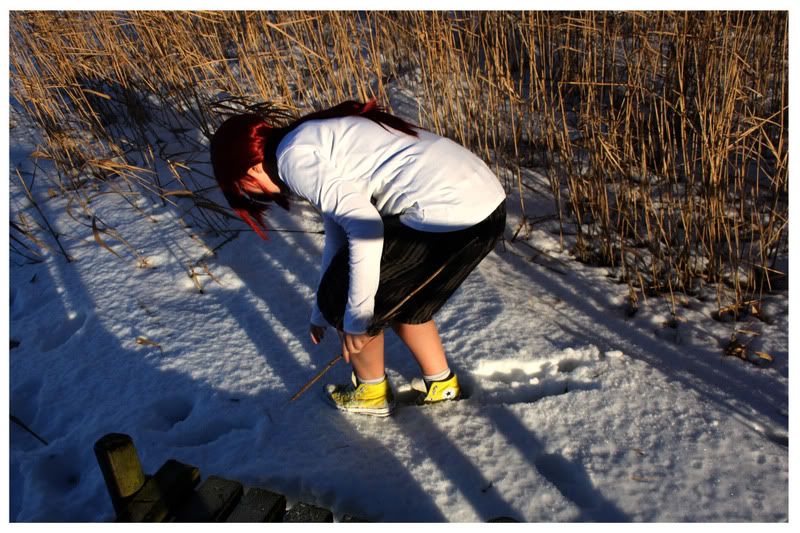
(354, 171)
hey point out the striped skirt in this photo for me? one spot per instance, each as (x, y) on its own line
(419, 271)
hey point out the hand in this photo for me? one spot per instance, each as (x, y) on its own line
(353, 343)
(317, 333)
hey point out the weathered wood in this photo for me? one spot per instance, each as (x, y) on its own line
(120, 466)
(212, 502)
(259, 505)
(162, 494)
(350, 518)
(304, 512)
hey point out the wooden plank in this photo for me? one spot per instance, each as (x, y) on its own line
(161, 494)
(259, 505)
(304, 512)
(350, 518)
(119, 463)
(212, 502)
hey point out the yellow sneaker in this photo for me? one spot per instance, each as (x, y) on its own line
(437, 391)
(363, 398)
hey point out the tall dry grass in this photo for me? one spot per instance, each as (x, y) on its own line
(663, 134)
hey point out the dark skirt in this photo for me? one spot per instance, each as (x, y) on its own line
(419, 271)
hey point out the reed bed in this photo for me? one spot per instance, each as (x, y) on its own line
(663, 134)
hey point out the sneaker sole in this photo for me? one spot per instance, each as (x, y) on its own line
(366, 411)
(369, 411)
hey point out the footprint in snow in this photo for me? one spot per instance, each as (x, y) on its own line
(29, 298)
(165, 413)
(24, 404)
(509, 381)
(59, 471)
(205, 431)
(184, 425)
(53, 337)
(25, 398)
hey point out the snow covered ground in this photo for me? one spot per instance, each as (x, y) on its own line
(576, 412)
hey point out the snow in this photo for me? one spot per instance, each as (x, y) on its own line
(576, 411)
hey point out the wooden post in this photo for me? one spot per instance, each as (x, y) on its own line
(163, 493)
(121, 468)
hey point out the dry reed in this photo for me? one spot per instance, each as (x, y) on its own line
(663, 134)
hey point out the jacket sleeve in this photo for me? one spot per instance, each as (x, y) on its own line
(361, 222)
(335, 239)
(348, 206)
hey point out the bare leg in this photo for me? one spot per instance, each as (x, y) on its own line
(424, 342)
(368, 363)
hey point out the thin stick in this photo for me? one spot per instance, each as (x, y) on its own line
(394, 309)
(22, 424)
(316, 378)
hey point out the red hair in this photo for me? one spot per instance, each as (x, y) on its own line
(246, 140)
(237, 145)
